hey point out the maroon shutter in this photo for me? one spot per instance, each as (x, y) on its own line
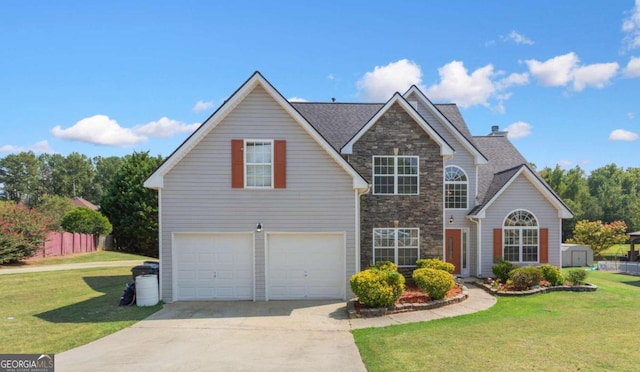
(497, 244)
(544, 245)
(237, 164)
(280, 164)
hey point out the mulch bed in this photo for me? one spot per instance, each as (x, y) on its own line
(413, 295)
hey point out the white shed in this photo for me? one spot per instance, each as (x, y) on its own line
(576, 255)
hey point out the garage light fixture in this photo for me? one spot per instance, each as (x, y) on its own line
(259, 227)
(451, 220)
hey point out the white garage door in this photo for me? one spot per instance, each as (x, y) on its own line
(305, 266)
(214, 266)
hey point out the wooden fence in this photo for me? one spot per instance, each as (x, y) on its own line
(65, 243)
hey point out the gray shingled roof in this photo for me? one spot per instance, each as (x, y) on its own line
(339, 122)
(502, 156)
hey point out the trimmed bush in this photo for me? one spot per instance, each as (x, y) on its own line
(552, 274)
(525, 277)
(502, 268)
(435, 263)
(386, 265)
(377, 288)
(437, 283)
(576, 276)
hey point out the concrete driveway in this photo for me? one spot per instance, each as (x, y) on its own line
(226, 336)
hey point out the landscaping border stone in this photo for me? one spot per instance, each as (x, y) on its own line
(587, 287)
(403, 308)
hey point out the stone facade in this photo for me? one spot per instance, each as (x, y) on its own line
(397, 130)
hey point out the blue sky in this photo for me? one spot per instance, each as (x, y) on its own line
(110, 78)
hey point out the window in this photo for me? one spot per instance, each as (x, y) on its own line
(520, 237)
(258, 163)
(455, 188)
(395, 175)
(400, 246)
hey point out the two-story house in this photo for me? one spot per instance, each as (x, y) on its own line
(270, 199)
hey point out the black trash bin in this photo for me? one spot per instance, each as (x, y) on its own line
(147, 268)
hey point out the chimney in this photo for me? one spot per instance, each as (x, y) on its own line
(496, 132)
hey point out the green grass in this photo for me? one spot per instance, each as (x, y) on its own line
(99, 256)
(49, 312)
(617, 250)
(559, 331)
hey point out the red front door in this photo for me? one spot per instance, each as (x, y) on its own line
(453, 248)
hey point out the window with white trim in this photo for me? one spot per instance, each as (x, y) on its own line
(520, 241)
(456, 188)
(400, 246)
(258, 164)
(395, 175)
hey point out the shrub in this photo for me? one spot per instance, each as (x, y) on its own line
(86, 221)
(437, 283)
(576, 276)
(386, 265)
(22, 231)
(525, 277)
(377, 288)
(502, 268)
(435, 263)
(552, 274)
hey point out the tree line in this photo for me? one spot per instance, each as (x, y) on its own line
(607, 194)
(46, 183)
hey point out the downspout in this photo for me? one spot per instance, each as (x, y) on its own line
(358, 193)
(478, 223)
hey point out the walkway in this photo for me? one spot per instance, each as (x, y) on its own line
(85, 265)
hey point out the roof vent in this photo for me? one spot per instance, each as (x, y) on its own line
(333, 99)
(496, 132)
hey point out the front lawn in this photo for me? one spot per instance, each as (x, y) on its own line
(98, 256)
(557, 331)
(50, 312)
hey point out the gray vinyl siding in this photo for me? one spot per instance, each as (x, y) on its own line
(521, 194)
(197, 194)
(465, 160)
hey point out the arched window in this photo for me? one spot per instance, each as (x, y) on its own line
(521, 238)
(455, 188)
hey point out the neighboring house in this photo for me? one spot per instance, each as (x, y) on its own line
(77, 201)
(270, 199)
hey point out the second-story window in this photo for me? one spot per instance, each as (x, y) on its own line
(395, 175)
(455, 188)
(259, 164)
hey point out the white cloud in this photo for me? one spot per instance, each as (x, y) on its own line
(383, 81)
(331, 77)
(519, 129)
(41, 147)
(633, 67)
(565, 163)
(465, 89)
(11, 148)
(38, 148)
(518, 38)
(622, 135)
(513, 79)
(554, 72)
(202, 106)
(164, 127)
(297, 99)
(99, 130)
(565, 69)
(596, 75)
(631, 115)
(631, 28)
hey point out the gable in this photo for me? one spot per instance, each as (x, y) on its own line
(518, 188)
(232, 107)
(445, 148)
(451, 126)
